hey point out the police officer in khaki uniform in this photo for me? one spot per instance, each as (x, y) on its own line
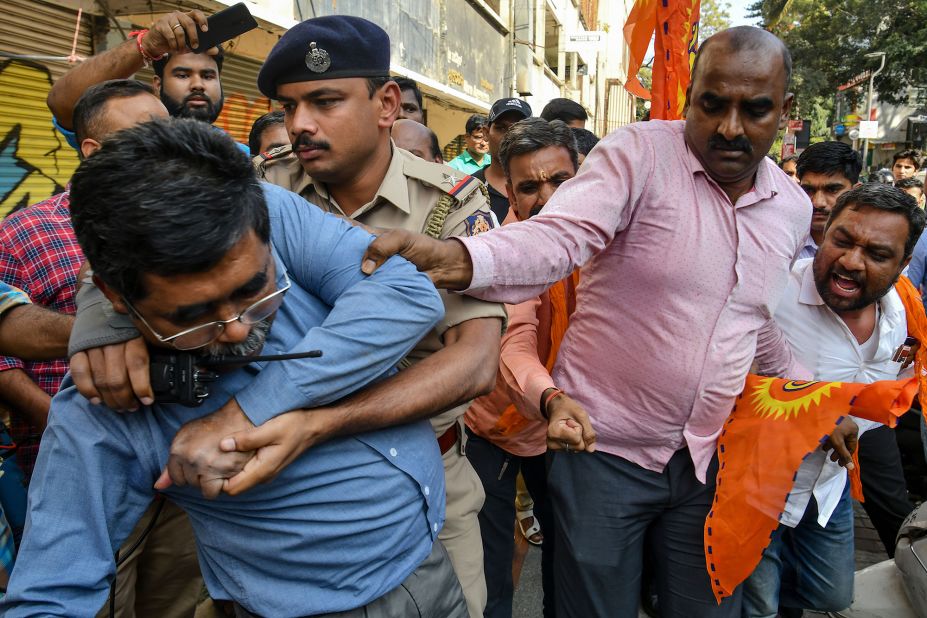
(330, 75)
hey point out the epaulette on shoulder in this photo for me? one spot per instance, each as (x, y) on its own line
(274, 153)
(452, 182)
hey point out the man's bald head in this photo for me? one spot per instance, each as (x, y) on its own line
(746, 38)
(737, 101)
(417, 139)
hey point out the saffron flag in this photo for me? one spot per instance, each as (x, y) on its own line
(638, 30)
(675, 24)
(776, 423)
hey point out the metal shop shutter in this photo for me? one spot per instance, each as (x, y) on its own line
(35, 161)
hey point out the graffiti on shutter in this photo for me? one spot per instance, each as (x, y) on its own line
(35, 160)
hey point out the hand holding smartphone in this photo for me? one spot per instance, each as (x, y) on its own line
(224, 26)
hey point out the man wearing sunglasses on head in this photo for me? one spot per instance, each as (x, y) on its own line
(202, 257)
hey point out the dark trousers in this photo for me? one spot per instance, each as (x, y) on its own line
(497, 470)
(886, 495)
(603, 507)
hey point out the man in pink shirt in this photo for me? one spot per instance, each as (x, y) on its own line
(686, 233)
(505, 429)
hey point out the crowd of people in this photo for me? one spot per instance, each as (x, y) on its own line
(398, 366)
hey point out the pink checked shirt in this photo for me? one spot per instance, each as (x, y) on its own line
(677, 292)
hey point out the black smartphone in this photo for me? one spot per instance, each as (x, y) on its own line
(225, 26)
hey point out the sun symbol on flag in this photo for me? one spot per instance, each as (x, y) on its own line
(780, 399)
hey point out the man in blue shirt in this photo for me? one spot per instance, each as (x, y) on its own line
(204, 258)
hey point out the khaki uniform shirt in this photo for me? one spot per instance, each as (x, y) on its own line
(405, 200)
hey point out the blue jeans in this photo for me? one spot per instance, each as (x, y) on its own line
(806, 567)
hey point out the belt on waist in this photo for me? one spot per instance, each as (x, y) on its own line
(448, 439)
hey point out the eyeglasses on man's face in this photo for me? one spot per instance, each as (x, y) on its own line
(204, 334)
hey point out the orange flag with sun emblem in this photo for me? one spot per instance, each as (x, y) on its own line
(776, 423)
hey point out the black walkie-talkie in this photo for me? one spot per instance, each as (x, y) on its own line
(183, 377)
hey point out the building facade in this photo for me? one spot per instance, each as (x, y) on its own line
(464, 54)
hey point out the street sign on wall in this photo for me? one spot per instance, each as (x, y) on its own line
(868, 129)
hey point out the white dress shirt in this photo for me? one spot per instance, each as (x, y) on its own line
(823, 344)
(809, 249)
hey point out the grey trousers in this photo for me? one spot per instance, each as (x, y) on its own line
(604, 507)
(431, 591)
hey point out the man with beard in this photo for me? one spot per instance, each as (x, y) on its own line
(655, 354)
(205, 259)
(188, 83)
(844, 322)
(825, 170)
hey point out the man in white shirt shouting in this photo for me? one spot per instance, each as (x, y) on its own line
(844, 322)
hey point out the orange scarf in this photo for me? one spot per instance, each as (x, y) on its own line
(917, 328)
(562, 296)
(562, 304)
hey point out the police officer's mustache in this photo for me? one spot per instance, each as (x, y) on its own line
(304, 142)
(717, 142)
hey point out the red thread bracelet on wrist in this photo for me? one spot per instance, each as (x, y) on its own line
(554, 392)
(148, 58)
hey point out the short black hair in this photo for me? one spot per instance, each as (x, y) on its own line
(409, 84)
(435, 146)
(909, 183)
(889, 199)
(375, 83)
(787, 159)
(830, 158)
(914, 155)
(475, 122)
(585, 140)
(565, 110)
(86, 115)
(260, 125)
(531, 134)
(159, 65)
(166, 197)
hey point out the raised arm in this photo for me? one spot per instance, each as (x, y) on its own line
(122, 61)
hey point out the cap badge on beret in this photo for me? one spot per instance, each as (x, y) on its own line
(317, 60)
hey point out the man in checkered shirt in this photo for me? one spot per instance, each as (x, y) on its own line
(39, 254)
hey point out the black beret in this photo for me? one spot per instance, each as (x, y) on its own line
(330, 47)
